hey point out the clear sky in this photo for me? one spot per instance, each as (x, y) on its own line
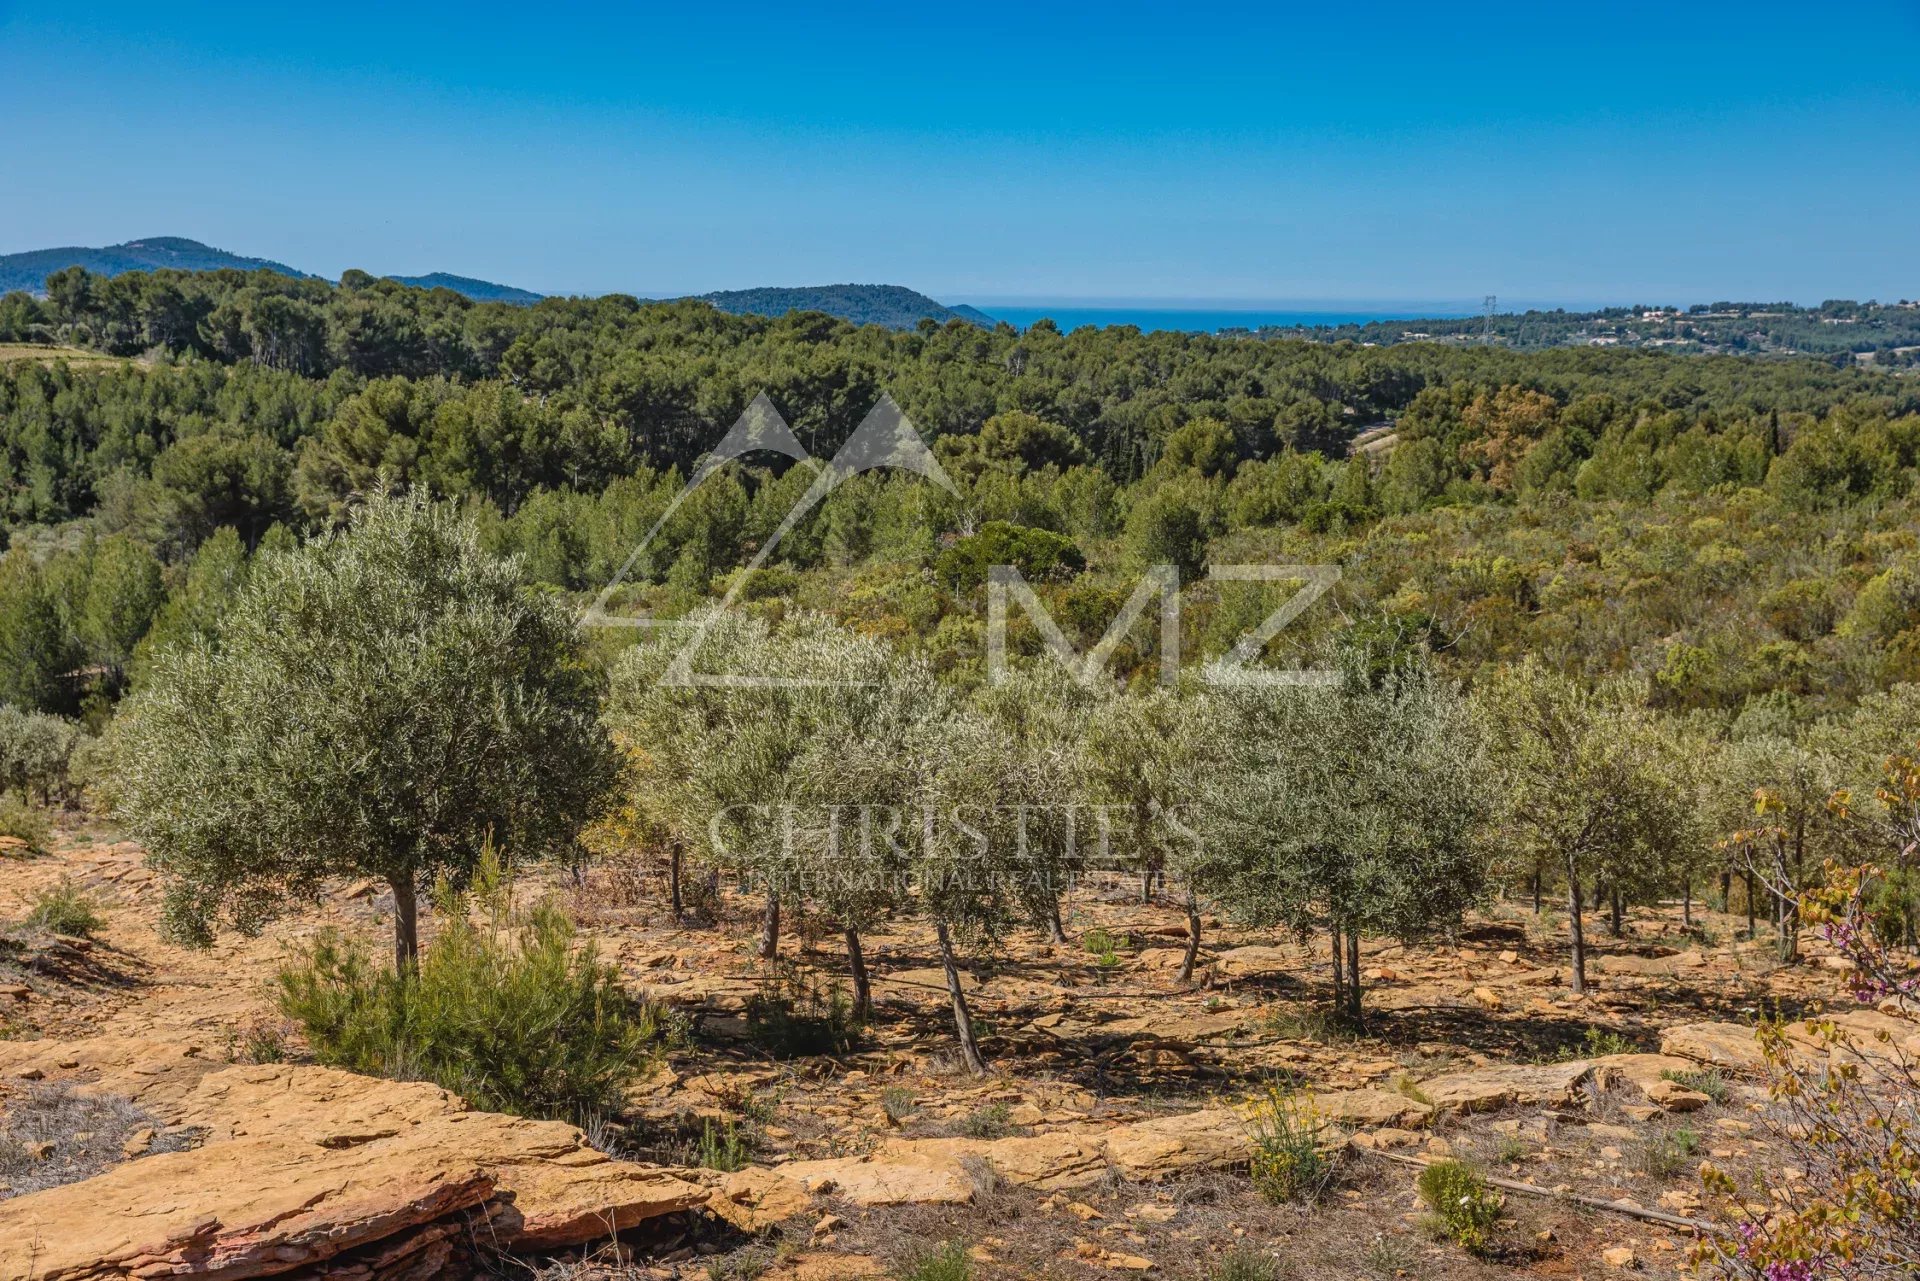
(1331, 152)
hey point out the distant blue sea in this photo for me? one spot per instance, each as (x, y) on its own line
(1197, 320)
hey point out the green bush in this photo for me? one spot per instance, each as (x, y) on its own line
(65, 909)
(511, 1016)
(1464, 1207)
(1287, 1163)
(36, 753)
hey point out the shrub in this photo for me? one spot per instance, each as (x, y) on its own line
(723, 1148)
(1287, 1163)
(994, 1121)
(508, 1014)
(257, 1041)
(23, 822)
(899, 1103)
(947, 1261)
(36, 753)
(1464, 1207)
(1709, 1083)
(1665, 1155)
(1843, 1120)
(1040, 555)
(1243, 1263)
(792, 1017)
(65, 909)
(1601, 1041)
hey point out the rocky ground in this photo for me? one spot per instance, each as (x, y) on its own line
(1112, 1137)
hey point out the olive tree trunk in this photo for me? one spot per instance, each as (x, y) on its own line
(962, 1018)
(1193, 938)
(673, 881)
(406, 925)
(862, 982)
(770, 927)
(1576, 929)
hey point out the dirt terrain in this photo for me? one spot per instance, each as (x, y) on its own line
(1111, 1137)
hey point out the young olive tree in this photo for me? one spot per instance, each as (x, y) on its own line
(380, 702)
(1150, 756)
(1039, 715)
(726, 753)
(1355, 809)
(860, 784)
(1586, 776)
(971, 860)
(1793, 791)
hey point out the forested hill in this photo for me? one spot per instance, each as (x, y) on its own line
(29, 271)
(894, 306)
(468, 287)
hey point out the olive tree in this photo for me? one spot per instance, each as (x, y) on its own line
(1587, 776)
(1353, 808)
(1150, 756)
(859, 783)
(1038, 716)
(380, 702)
(1790, 787)
(968, 862)
(729, 752)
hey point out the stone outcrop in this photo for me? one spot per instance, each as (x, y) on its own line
(1722, 1045)
(305, 1166)
(247, 1208)
(1488, 1089)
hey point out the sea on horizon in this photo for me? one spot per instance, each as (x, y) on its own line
(1206, 320)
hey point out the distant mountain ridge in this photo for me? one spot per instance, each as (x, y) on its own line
(894, 306)
(29, 270)
(478, 290)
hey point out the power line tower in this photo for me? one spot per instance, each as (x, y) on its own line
(1486, 326)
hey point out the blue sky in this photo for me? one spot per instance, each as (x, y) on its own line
(1359, 153)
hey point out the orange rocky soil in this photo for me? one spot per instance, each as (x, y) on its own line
(1112, 1137)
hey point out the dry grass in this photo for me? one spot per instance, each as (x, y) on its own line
(47, 354)
(50, 1136)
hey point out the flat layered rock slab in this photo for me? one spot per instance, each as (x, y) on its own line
(157, 1074)
(1371, 1106)
(1207, 1139)
(246, 1208)
(1723, 1045)
(897, 1178)
(941, 1171)
(1489, 1089)
(560, 1189)
(304, 1163)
